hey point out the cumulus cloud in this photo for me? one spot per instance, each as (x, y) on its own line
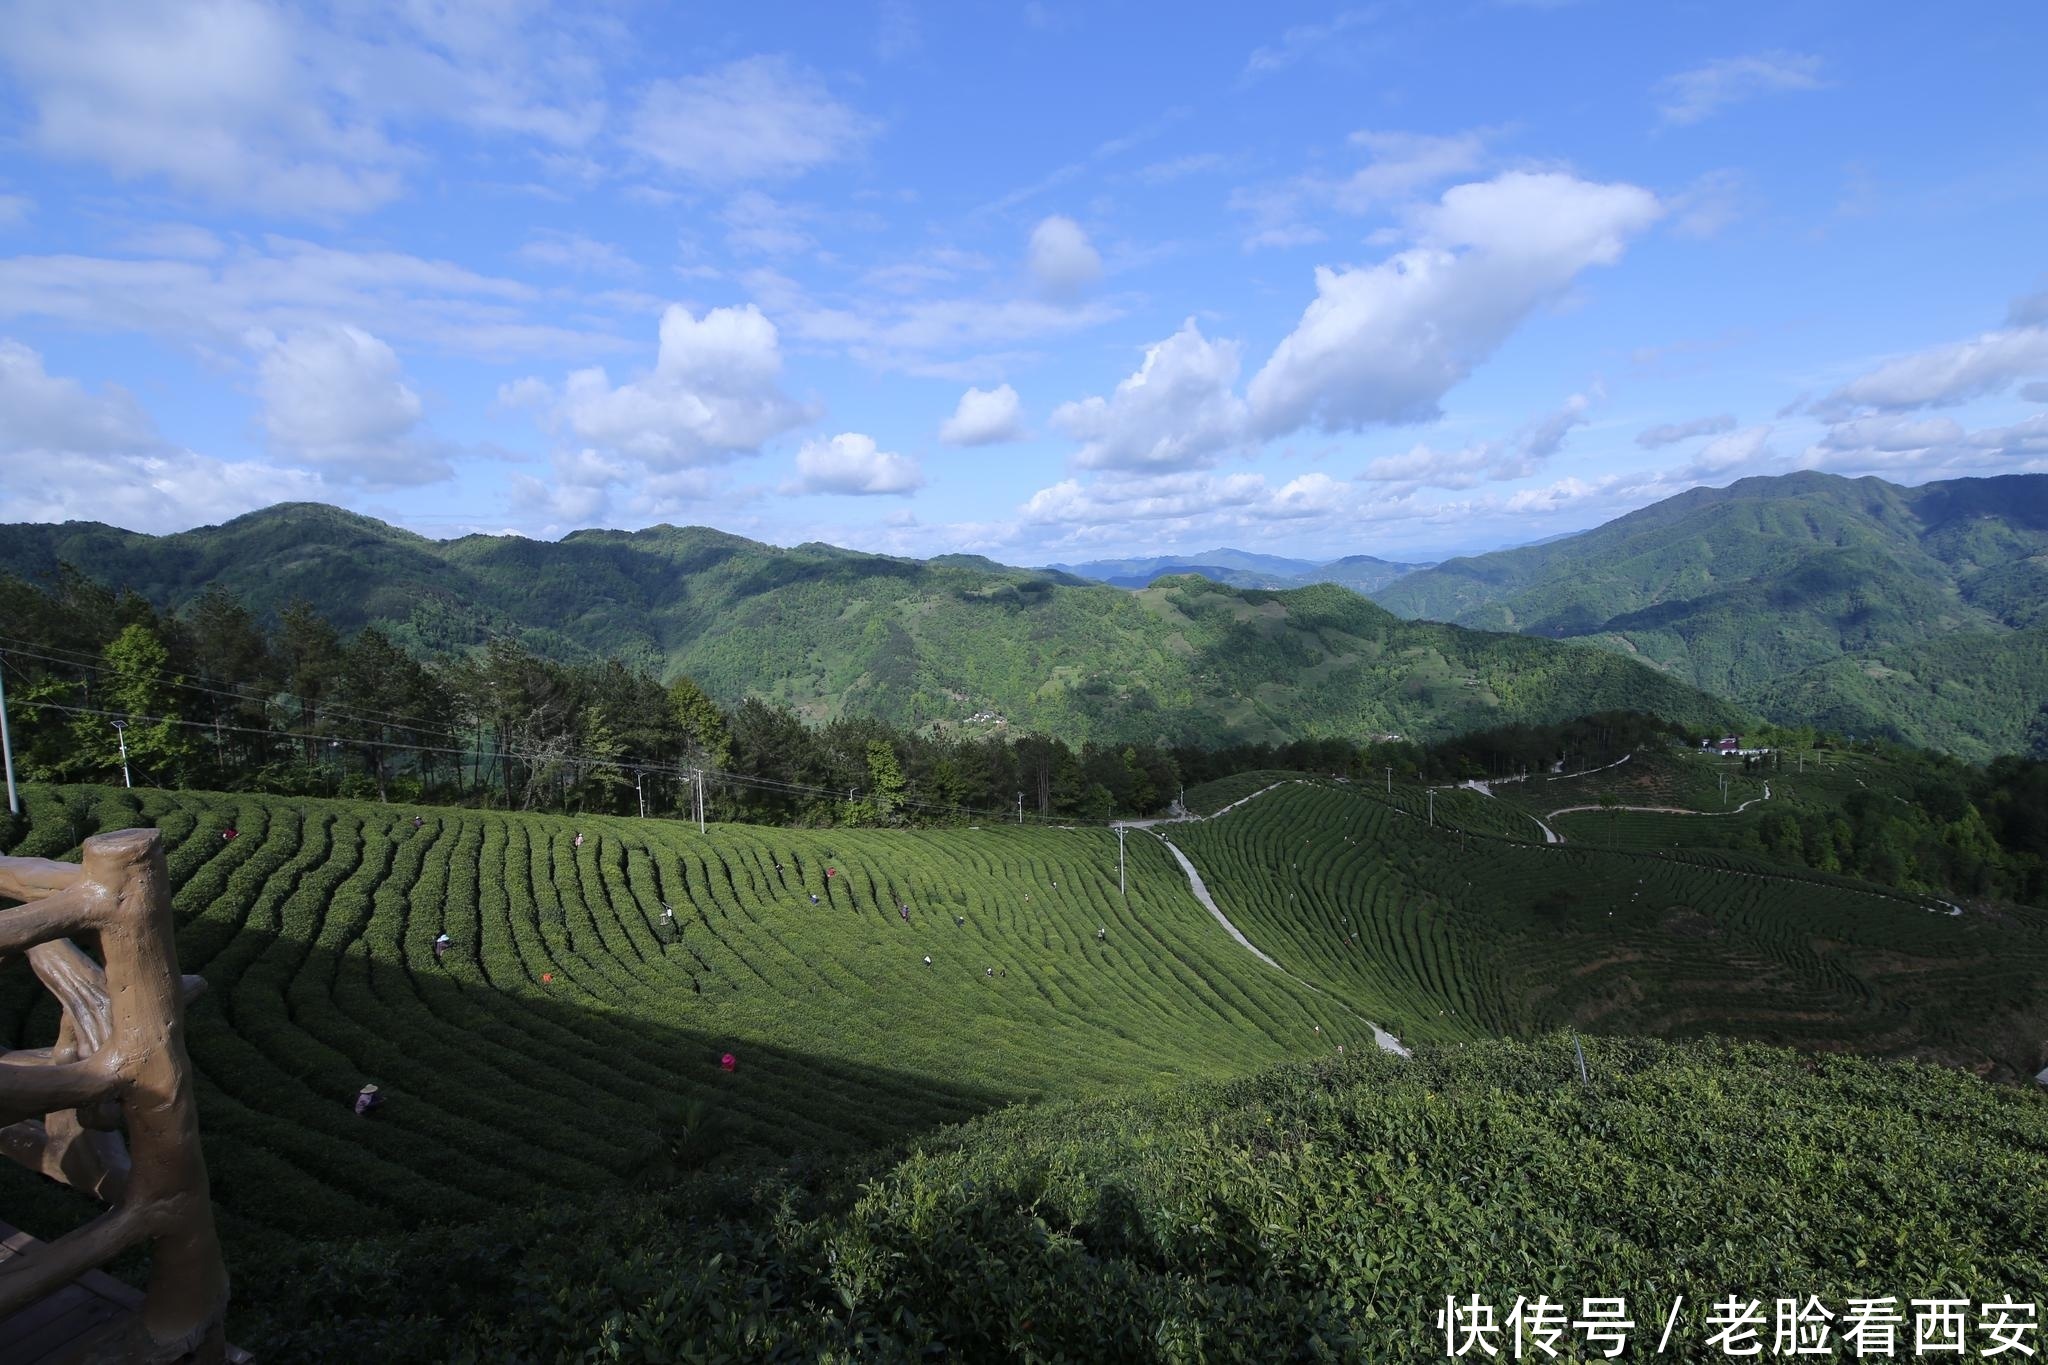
(336, 398)
(759, 118)
(1942, 376)
(73, 454)
(1690, 96)
(1736, 450)
(1239, 499)
(984, 417)
(1483, 461)
(1062, 259)
(42, 411)
(714, 394)
(1176, 411)
(1384, 343)
(1896, 445)
(1671, 433)
(851, 463)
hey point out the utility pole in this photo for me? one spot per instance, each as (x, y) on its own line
(697, 782)
(1020, 808)
(1120, 863)
(7, 752)
(1432, 807)
(640, 792)
(1390, 780)
(121, 733)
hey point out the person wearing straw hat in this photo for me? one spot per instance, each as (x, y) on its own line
(367, 1099)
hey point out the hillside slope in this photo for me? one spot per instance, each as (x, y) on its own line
(1736, 589)
(1313, 1212)
(833, 632)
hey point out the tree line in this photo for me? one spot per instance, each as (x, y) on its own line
(212, 697)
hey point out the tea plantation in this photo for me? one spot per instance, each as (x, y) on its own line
(526, 1192)
(1447, 933)
(1315, 1212)
(569, 1015)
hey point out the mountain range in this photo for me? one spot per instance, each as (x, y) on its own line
(832, 631)
(1244, 569)
(1861, 606)
(1918, 613)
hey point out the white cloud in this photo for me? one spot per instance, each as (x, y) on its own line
(1944, 375)
(1671, 433)
(1302, 40)
(1690, 96)
(336, 398)
(984, 417)
(74, 455)
(1713, 201)
(1927, 448)
(1736, 450)
(277, 108)
(759, 118)
(1404, 164)
(714, 394)
(218, 99)
(1062, 259)
(574, 252)
(1384, 343)
(850, 463)
(1177, 411)
(765, 226)
(1483, 461)
(40, 411)
(282, 284)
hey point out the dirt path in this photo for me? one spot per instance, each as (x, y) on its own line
(1658, 810)
(1387, 1041)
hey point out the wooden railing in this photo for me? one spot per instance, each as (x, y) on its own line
(118, 1062)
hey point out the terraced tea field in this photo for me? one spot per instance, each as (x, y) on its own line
(568, 1013)
(1443, 934)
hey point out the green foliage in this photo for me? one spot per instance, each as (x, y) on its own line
(1312, 1212)
(832, 633)
(1853, 604)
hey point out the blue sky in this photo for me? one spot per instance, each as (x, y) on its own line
(1043, 281)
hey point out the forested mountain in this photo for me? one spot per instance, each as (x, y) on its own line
(1854, 604)
(835, 632)
(1243, 569)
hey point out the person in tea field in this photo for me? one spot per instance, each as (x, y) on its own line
(441, 945)
(927, 959)
(367, 1099)
(579, 838)
(906, 914)
(729, 1062)
(230, 833)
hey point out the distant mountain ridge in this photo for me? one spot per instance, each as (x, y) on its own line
(1244, 569)
(833, 631)
(1776, 592)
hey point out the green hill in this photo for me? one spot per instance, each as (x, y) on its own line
(833, 632)
(1738, 589)
(552, 1076)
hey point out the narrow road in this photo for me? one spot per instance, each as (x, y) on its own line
(1661, 810)
(1201, 893)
